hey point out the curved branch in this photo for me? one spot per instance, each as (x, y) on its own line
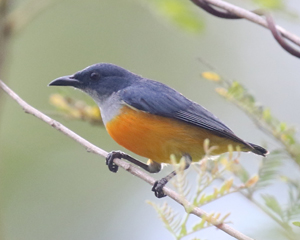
(205, 6)
(277, 35)
(251, 16)
(128, 167)
(221, 14)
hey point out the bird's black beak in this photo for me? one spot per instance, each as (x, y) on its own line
(65, 81)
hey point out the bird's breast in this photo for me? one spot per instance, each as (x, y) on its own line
(158, 137)
(110, 107)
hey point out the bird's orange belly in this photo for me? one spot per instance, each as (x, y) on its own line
(157, 137)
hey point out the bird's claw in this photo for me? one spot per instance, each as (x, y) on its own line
(110, 160)
(158, 188)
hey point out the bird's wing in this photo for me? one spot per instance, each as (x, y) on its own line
(159, 99)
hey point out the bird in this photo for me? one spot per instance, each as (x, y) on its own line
(152, 120)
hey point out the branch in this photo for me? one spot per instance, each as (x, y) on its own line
(128, 167)
(277, 35)
(234, 12)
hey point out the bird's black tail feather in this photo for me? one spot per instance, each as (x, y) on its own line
(258, 149)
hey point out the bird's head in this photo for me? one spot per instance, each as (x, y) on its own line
(99, 80)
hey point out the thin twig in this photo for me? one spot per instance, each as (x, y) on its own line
(204, 5)
(277, 35)
(288, 230)
(128, 167)
(251, 16)
(271, 24)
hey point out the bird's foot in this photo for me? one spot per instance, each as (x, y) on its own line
(110, 160)
(158, 188)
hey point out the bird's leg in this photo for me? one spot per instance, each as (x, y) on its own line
(151, 166)
(159, 185)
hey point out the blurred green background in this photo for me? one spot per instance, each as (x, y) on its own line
(51, 188)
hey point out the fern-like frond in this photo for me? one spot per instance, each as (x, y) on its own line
(180, 182)
(169, 217)
(292, 210)
(272, 203)
(268, 171)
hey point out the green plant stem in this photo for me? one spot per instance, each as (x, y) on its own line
(262, 207)
(207, 184)
(284, 225)
(249, 195)
(186, 218)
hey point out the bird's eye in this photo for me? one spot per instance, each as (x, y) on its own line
(94, 76)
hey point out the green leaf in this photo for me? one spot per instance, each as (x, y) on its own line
(226, 186)
(267, 114)
(199, 225)
(181, 13)
(268, 171)
(296, 224)
(282, 126)
(272, 203)
(183, 231)
(168, 216)
(241, 173)
(271, 4)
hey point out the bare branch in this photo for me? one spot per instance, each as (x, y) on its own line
(221, 14)
(277, 35)
(233, 12)
(128, 167)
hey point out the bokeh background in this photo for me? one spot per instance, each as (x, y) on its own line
(51, 188)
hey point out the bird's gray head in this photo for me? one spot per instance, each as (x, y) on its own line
(99, 80)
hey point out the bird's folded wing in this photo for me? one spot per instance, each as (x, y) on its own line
(156, 98)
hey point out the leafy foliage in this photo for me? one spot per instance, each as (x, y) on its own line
(179, 12)
(273, 204)
(178, 226)
(289, 212)
(262, 117)
(75, 109)
(271, 4)
(280, 6)
(237, 94)
(296, 224)
(292, 210)
(169, 217)
(268, 171)
(205, 191)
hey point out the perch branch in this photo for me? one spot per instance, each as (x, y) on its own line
(128, 167)
(230, 11)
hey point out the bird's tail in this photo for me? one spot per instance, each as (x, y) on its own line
(258, 150)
